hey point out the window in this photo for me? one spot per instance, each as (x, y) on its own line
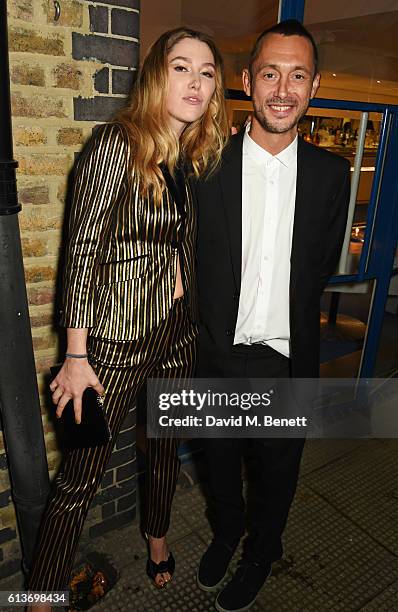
(358, 49)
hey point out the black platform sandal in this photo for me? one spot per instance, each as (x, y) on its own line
(153, 569)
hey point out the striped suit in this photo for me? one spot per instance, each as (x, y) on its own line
(119, 282)
(122, 252)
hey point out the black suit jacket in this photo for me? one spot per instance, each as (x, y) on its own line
(322, 195)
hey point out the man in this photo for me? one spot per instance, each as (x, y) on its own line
(271, 225)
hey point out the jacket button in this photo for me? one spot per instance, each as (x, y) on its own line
(229, 332)
(235, 295)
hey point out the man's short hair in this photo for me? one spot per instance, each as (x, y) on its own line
(289, 27)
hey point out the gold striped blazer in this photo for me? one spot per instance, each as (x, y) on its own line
(122, 251)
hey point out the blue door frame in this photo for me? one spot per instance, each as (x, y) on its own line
(291, 9)
(380, 241)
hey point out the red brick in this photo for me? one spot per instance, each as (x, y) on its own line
(42, 319)
(29, 136)
(37, 106)
(43, 164)
(68, 76)
(40, 295)
(43, 342)
(25, 74)
(29, 41)
(70, 136)
(33, 194)
(38, 274)
(20, 9)
(33, 247)
(35, 218)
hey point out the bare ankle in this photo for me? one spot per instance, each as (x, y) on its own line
(157, 542)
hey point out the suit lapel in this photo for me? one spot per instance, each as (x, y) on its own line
(303, 206)
(230, 177)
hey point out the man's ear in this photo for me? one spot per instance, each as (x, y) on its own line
(315, 84)
(246, 82)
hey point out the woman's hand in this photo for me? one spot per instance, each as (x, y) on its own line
(72, 379)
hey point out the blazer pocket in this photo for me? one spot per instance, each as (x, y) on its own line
(119, 271)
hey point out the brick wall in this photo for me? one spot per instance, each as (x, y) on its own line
(113, 42)
(66, 76)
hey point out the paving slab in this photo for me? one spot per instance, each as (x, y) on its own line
(330, 558)
(386, 601)
(319, 453)
(363, 486)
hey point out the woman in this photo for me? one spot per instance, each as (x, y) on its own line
(129, 291)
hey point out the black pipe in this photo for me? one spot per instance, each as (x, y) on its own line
(19, 397)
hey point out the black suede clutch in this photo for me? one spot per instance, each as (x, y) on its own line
(93, 429)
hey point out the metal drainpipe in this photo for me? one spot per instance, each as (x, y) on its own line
(19, 398)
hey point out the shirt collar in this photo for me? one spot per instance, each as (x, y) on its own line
(260, 156)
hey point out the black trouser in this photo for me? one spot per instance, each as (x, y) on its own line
(276, 461)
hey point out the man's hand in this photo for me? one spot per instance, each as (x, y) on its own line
(73, 378)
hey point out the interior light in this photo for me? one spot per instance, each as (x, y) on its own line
(334, 74)
(378, 81)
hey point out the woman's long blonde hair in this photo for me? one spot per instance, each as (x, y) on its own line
(145, 119)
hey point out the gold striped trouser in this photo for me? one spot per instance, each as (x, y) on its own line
(167, 352)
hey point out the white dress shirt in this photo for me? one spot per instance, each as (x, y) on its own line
(268, 201)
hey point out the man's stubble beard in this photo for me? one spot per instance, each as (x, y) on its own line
(275, 128)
